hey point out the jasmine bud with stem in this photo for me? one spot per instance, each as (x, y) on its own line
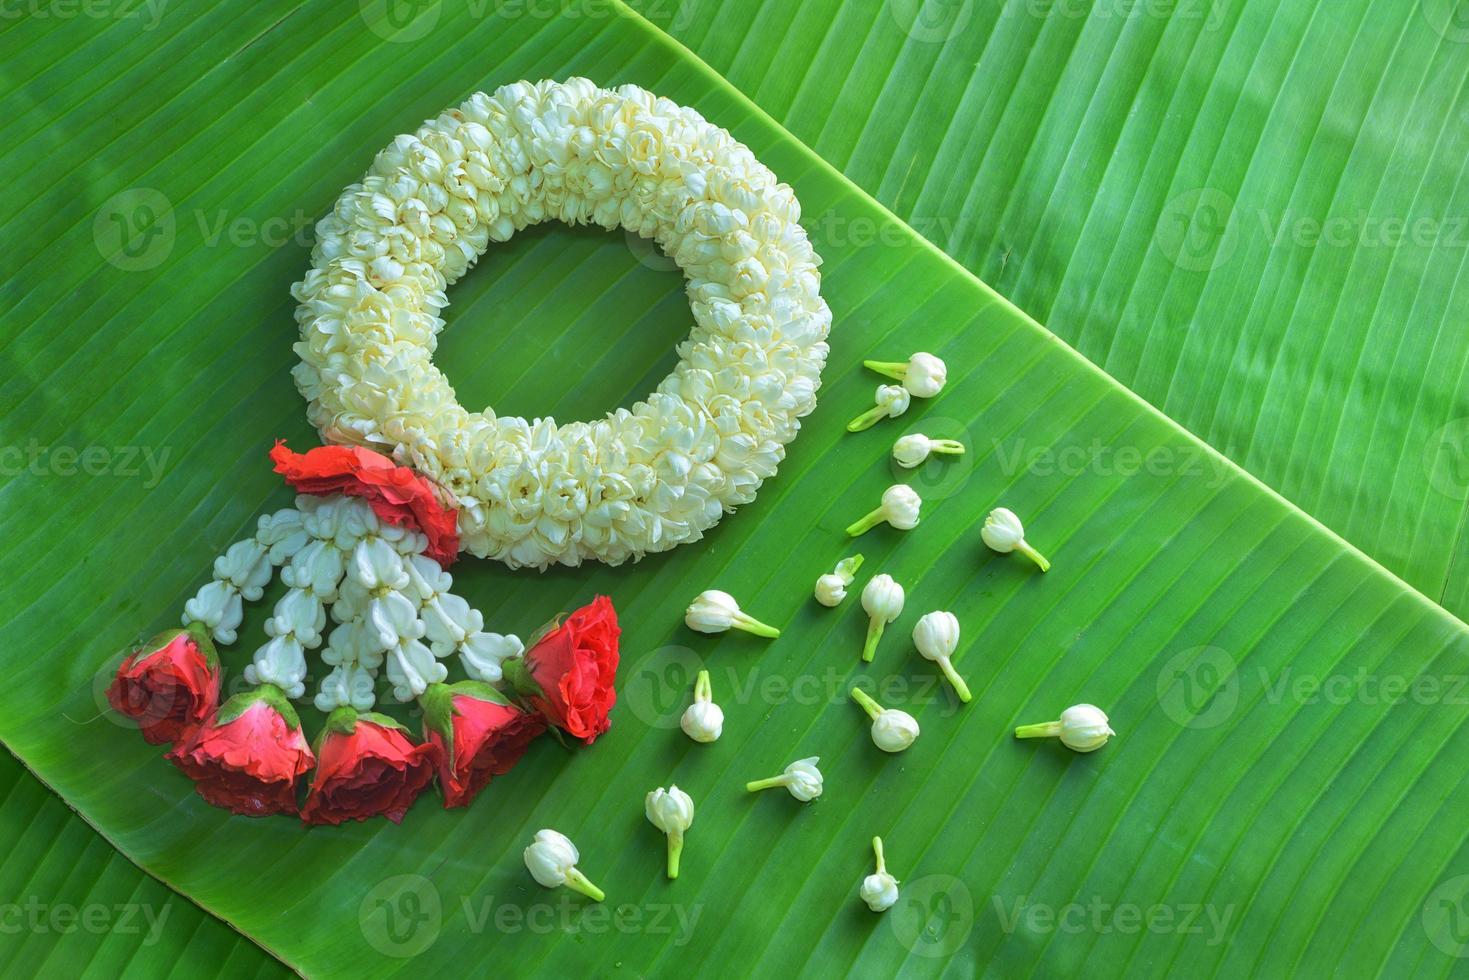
(1004, 533)
(900, 507)
(671, 810)
(892, 401)
(883, 600)
(703, 721)
(937, 637)
(831, 588)
(912, 450)
(880, 890)
(923, 374)
(713, 611)
(1082, 728)
(892, 730)
(551, 859)
(801, 778)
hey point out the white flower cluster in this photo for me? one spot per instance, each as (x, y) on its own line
(392, 606)
(642, 479)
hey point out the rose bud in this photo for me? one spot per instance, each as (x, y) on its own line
(248, 757)
(168, 685)
(568, 674)
(475, 734)
(365, 765)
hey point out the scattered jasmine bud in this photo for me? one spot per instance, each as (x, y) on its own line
(1004, 533)
(831, 588)
(923, 375)
(883, 600)
(671, 810)
(900, 506)
(703, 721)
(713, 611)
(912, 450)
(552, 858)
(801, 777)
(892, 401)
(1082, 728)
(880, 890)
(892, 730)
(937, 637)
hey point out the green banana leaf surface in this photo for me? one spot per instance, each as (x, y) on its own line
(1285, 789)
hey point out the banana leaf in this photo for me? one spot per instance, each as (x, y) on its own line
(1283, 793)
(1251, 213)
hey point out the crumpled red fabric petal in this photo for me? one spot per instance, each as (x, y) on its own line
(396, 493)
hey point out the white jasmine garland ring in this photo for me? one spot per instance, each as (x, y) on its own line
(642, 479)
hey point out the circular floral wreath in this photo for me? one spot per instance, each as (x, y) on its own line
(642, 479)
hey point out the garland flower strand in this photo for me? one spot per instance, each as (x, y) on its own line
(639, 480)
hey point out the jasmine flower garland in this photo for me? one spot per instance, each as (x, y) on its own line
(644, 479)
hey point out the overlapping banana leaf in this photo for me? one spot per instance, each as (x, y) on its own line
(1283, 796)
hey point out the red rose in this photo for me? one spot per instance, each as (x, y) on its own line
(366, 765)
(248, 757)
(396, 493)
(169, 685)
(571, 671)
(475, 734)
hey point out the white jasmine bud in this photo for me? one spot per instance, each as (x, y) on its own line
(1004, 533)
(900, 506)
(892, 401)
(937, 637)
(880, 890)
(883, 599)
(671, 811)
(1083, 728)
(892, 730)
(923, 374)
(713, 611)
(552, 858)
(801, 778)
(703, 721)
(831, 588)
(913, 449)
